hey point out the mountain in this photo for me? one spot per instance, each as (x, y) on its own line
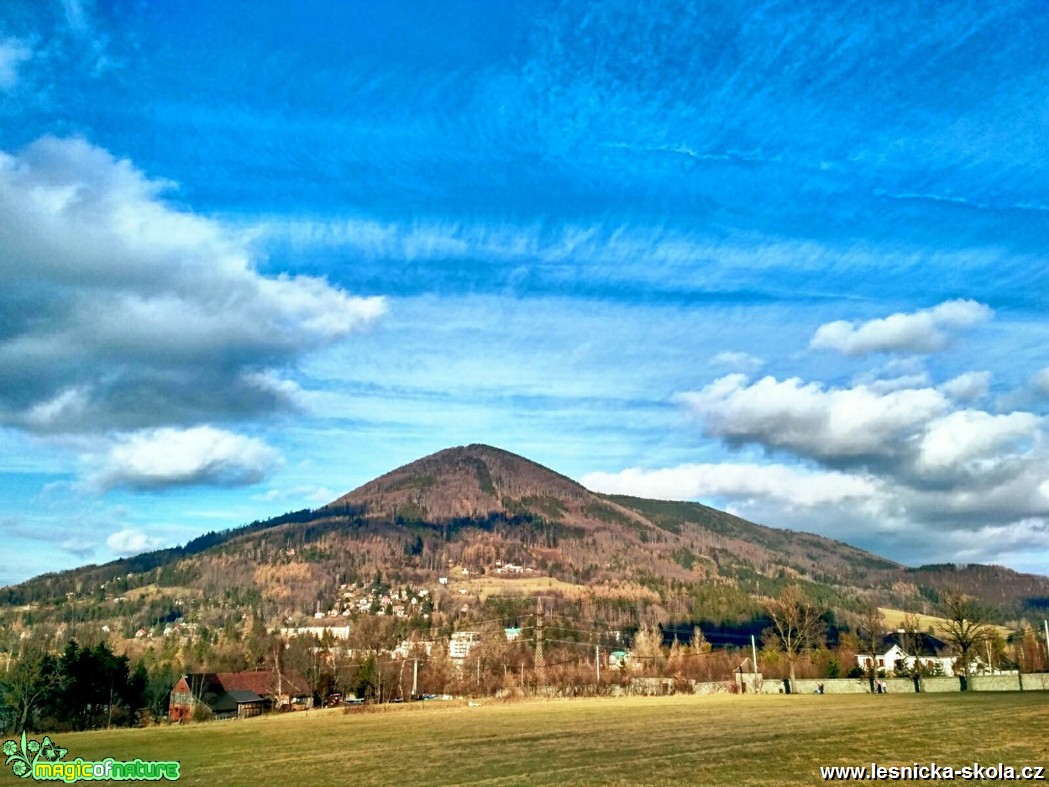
(470, 511)
(470, 481)
(479, 483)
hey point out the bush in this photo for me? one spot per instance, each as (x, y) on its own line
(202, 712)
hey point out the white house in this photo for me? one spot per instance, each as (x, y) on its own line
(318, 631)
(462, 643)
(892, 656)
(406, 647)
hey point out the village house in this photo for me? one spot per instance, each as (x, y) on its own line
(461, 644)
(892, 656)
(237, 694)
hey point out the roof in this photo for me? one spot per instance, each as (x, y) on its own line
(263, 682)
(203, 684)
(230, 701)
(930, 645)
(242, 697)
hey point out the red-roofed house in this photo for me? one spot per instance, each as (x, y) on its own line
(238, 694)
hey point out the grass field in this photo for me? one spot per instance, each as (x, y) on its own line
(483, 587)
(731, 740)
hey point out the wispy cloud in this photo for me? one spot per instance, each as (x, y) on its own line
(530, 225)
(13, 53)
(738, 360)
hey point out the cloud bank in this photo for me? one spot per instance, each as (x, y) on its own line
(896, 464)
(133, 324)
(121, 311)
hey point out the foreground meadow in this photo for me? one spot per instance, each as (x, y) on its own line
(737, 740)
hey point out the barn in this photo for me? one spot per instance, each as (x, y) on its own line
(237, 694)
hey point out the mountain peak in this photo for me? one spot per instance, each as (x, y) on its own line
(464, 481)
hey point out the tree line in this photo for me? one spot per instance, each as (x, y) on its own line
(80, 688)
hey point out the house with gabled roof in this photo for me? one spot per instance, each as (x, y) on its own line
(930, 654)
(238, 694)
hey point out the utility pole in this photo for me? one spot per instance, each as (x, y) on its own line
(1046, 622)
(754, 657)
(597, 662)
(540, 662)
(415, 679)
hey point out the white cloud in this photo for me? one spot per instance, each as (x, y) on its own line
(165, 457)
(934, 467)
(968, 387)
(13, 53)
(130, 541)
(967, 435)
(141, 315)
(810, 420)
(781, 483)
(875, 513)
(923, 331)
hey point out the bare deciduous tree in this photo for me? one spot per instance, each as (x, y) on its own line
(797, 624)
(871, 630)
(966, 626)
(26, 683)
(913, 641)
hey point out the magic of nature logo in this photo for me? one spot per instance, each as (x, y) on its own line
(45, 761)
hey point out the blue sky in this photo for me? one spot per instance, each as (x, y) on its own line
(785, 259)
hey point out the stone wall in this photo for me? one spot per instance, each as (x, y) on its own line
(756, 684)
(836, 686)
(899, 685)
(938, 685)
(1038, 681)
(1031, 682)
(724, 687)
(997, 682)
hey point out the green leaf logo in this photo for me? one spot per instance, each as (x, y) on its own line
(24, 754)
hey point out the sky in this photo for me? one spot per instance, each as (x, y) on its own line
(786, 259)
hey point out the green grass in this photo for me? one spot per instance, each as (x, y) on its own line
(731, 740)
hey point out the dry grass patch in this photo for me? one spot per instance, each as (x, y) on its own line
(894, 620)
